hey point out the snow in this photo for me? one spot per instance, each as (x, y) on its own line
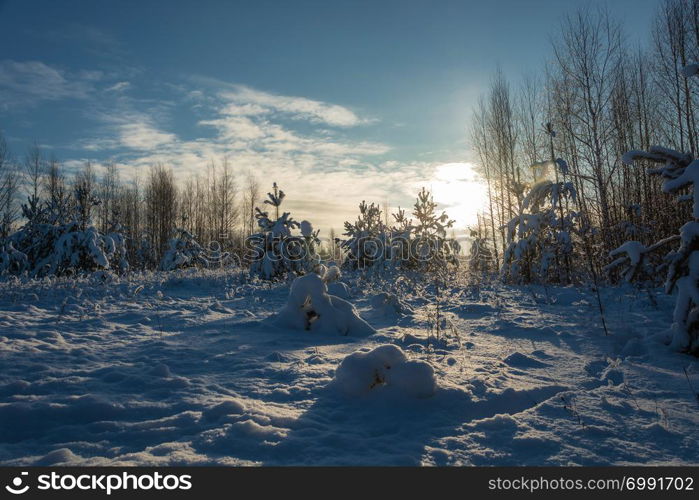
(310, 307)
(388, 304)
(189, 368)
(690, 176)
(306, 229)
(385, 368)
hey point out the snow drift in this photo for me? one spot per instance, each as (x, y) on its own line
(311, 308)
(385, 367)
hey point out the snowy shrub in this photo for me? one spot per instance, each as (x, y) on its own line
(388, 304)
(183, 251)
(635, 262)
(540, 242)
(310, 307)
(66, 249)
(331, 277)
(385, 368)
(214, 257)
(52, 247)
(481, 257)
(430, 247)
(367, 238)
(275, 251)
(679, 171)
(117, 244)
(421, 245)
(12, 261)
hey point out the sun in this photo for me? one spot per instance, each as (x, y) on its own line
(457, 189)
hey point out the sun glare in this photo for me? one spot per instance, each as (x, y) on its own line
(458, 190)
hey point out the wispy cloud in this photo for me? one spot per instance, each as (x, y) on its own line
(305, 145)
(118, 87)
(29, 82)
(246, 101)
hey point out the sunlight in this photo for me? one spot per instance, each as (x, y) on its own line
(457, 189)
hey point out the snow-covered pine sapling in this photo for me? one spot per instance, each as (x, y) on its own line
(430, 245)
(275, 199)
(183, 250)
(56, 247)
(365, 245)
(275, 251)
(481, 258)
(680, 171)
(116, 242)
(540, 238)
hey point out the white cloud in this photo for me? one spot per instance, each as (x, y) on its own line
(325, 173)
(143, 136)
(118, 87)
(29, 82)
(245, 99)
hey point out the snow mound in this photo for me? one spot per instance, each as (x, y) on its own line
(385, 367)
(520, 360)
(311, 308)
(231, 407)
(388, 304)
(60, 456)
(339, 289)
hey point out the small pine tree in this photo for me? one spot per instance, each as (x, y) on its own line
(275, 251)
(430, 247)
(540, 238)
(481, 257)
(183, 251)
(365, 245)
(57, 243)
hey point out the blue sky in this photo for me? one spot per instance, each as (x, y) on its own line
(337, 100)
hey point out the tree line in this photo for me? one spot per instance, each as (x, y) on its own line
(215, 206)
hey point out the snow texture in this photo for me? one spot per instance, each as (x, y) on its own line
(385, 368)
(187, 368)
(310, 307)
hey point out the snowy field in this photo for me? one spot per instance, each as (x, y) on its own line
(190, 367)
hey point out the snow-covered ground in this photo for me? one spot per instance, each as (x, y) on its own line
(191, 368)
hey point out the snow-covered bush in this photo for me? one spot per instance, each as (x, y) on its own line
(385, 368)
(419, 244)
(367, 239)
(310, 307)
(679, 171)
(215, 257)
(635, 262)
(481, 257)
(183, 251)
(52, 247)
(275, 250)
(12, 261)
(430, 248)
(388, 304)
(118, 254)
(540, 239)
(331, 277)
